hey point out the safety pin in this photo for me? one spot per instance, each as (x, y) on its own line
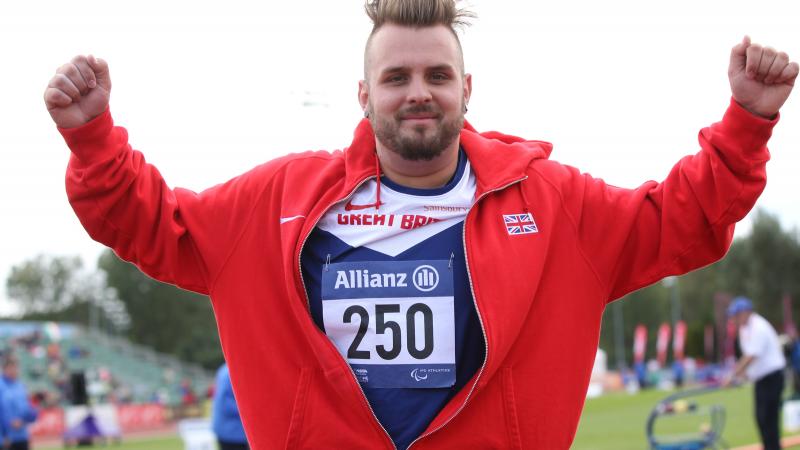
(450, 264)
(327, 262)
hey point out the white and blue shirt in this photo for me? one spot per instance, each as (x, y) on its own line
(389, 287)
(758, 339)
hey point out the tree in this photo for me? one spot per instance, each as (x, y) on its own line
(56, 288)
(764, 266)
(118, 298)
(162, 316)
(44, 283)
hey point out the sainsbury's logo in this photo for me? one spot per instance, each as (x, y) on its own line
(445, 208)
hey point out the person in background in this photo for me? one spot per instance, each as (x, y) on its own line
(188, 397)
(763, 362)
(226, 423)
(17, 411)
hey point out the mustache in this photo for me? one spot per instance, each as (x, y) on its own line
(419, 109)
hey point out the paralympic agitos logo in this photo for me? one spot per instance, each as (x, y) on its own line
(415, 374)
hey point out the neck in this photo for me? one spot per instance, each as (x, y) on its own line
(419, 174)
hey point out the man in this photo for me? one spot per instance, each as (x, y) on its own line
(17, 411)
(430, 286)
(226, 423)
(763, 362)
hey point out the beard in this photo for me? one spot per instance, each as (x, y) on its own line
(421, 143)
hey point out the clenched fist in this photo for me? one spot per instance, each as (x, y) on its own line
(761, 78)
(78, 92)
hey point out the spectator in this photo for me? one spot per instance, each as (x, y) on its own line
(763, 362)
(188, 397)
(17, 411)
(226, 422)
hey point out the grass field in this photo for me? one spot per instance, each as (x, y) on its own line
(161, 443)
(617, 421)
(611, 422)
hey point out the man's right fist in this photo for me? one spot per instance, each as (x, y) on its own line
(78, 92)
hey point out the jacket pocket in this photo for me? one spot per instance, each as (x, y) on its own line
(299, 409)
(510, 409)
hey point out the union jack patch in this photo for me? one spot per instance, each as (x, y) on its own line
(520, 224)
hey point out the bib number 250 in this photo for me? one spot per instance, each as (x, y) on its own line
(358, 312)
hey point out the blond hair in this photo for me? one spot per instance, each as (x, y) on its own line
(417, 14)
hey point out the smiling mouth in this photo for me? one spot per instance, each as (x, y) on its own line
(419, 118)
(419, 113)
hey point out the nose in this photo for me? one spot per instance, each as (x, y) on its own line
(418, 91)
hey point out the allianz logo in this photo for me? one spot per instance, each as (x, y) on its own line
(425, 278)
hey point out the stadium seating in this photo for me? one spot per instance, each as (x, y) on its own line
(115, 369)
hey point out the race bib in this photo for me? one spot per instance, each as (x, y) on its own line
(393, 321)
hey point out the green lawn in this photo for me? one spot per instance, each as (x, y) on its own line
(168, 443)
(617, 421)
(161, 443)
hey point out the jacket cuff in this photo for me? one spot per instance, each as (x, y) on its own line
(91, 140)
(741, 125)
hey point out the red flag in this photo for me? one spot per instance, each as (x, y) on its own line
(679, 340)
(788, 321)
(639, 343)
(662, 343)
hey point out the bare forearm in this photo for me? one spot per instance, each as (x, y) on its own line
(741, 366)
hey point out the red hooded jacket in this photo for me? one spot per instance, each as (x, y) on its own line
(540, 296)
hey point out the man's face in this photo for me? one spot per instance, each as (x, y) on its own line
(415, 92)
(740, 319)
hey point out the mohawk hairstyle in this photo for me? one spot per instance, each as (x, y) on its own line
(417, 14)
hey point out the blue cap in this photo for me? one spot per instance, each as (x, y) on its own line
(738, 305)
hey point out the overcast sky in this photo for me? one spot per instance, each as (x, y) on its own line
(208, 89)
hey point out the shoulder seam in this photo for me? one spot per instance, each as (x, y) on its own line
(237, 241)
(574, 226)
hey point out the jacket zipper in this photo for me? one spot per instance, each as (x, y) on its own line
(477, 311)
(308, 303)
(474, 301)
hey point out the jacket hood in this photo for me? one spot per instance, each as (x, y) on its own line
(497, 158)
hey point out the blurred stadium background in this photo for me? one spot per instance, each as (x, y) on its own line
(138, 391)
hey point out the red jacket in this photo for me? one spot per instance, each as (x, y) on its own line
(540, 296)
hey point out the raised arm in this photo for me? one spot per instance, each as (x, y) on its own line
(174, 235)
(636, 237)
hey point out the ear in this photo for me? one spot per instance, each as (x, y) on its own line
(363, 94)
(467, 87)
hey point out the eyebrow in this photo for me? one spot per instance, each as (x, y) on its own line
(393, 69)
